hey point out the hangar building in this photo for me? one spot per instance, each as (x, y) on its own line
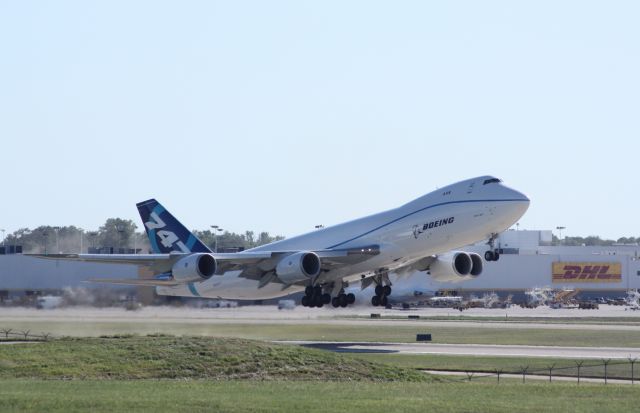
(21, 275)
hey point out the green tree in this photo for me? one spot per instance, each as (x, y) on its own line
(117, 233)
(231, 240)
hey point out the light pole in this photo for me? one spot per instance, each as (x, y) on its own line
(92, 238)
(81, 235)
(45, 234)
(120, 230)
(57, 230)
(560, 230)
(215, 229)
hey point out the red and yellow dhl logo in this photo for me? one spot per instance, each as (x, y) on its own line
(587, 272)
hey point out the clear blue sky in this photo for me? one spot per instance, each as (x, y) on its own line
(279, 116)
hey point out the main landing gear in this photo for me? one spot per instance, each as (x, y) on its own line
(492, 254)
(314, 297)
(343, 300)
(382, 292)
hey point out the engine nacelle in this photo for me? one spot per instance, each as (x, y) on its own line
(297, 267)
(456, 266)
(194, 267)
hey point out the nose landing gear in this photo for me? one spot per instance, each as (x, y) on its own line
(493, 254)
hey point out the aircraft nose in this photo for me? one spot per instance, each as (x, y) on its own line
(517, 195)
(523, 202)
(520, 204)
(523, 197)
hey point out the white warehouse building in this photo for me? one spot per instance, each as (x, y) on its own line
(528, 260)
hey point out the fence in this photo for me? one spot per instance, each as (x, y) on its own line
(602, 370)
(9, 334)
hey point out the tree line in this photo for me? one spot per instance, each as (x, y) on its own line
(594, 240)
(120, 234)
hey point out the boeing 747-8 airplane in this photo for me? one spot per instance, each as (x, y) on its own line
(421, 235)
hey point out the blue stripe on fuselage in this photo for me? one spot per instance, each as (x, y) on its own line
(424, 209)
(192, 289)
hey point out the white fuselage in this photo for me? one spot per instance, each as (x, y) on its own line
(443, 220)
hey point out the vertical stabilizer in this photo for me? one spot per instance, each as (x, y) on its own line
(166, 233)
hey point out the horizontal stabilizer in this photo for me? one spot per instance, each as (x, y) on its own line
(135, 281)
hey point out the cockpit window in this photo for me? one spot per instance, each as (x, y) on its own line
(491, 181)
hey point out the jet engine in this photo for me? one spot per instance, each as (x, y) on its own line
(456, 266)
(300, 266)
(194, 267)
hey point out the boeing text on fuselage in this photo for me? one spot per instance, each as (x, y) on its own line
(417, 230)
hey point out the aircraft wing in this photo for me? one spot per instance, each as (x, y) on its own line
(329, 259)
(340, 257)
(420, 265)
(171, 241)
(253, 265)
(159, 263)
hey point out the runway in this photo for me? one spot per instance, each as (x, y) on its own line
(598, 353)
(343, 317)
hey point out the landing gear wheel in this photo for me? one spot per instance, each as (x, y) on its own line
(379, 289)
(335, 302)
(384, 301)
(351, 298)
(317, 301)
(496, 256)
(343, 300)
(326, 298)
(308, 290)
(387, 290)
(489, 256)
(375, 301)
(305, 301)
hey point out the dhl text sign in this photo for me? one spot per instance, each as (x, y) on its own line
(586, 272)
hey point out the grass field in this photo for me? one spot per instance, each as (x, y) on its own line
(193, 374)
(140, 357)
(335, 332)
(311, 396)
(167, 357)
